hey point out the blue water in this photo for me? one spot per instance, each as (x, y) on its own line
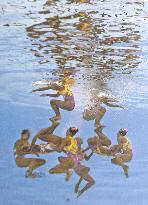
(45, 40)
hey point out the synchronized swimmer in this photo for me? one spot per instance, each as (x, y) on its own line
(69, 145)
(63, 88)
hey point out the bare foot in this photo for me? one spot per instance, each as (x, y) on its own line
(79, 194)
(30, 175)
(56, 118)
(76, 188)
(68, 175)
(125, 169)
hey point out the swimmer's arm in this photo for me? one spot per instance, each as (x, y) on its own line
(62, 146)
(89, 156)
(33, 142)
(53, 86)
(109, 104)
(50, 95)
(83, 151)
(118, 147)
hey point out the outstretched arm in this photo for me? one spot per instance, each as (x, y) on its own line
(110, 104)
(52, 86)
(33, 142)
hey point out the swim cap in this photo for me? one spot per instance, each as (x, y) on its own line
(123, 132)
(72, 131)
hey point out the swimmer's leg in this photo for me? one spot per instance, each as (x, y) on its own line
(48, 130)
(90, 182)
(118, 160)
(66, 163)
(60, 169)
(78, 184)
(43, 133)
(34, 163)
(99, 115)
(83, 171)
(57, 104)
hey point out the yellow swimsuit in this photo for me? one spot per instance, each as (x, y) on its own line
(127, 145)
(73, 147)
(66, 91)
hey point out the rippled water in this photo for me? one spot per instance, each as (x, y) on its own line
(103, 45)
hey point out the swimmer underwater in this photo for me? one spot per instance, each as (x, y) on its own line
(63, 88)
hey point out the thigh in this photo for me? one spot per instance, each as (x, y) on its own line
(89, 114)
(65, 105)
(82, 170)
(66, 162)
(50, 138)
(122, 158)
(105, 150)
(23, 162)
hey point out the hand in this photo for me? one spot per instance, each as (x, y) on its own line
(44, 95)
(33, 91)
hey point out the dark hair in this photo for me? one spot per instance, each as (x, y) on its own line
(123, 132)
(73, 130)
(25, 131)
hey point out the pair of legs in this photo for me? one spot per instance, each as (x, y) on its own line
(65, 105)
(66, 163)
(121, 159)
(99, 115)
(94, 113)
(83, 172)
(46, 135)
(30, 163)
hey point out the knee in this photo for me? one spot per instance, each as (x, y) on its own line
(92, 182)
(51, 171)
(52, 102)
(113, 160)
(41, 161)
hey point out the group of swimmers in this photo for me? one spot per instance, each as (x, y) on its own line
(70, 145)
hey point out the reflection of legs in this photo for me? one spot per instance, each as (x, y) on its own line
(120, 160)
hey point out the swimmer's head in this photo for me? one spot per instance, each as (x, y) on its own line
(79, 140)
(72, 131)
(25, 134)
(122, 132)
(102, 95)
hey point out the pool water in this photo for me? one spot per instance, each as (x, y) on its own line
(103, 46)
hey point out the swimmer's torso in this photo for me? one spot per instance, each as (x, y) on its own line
(20, 147)
(66, 91)
(71, 145)
(126, 147)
